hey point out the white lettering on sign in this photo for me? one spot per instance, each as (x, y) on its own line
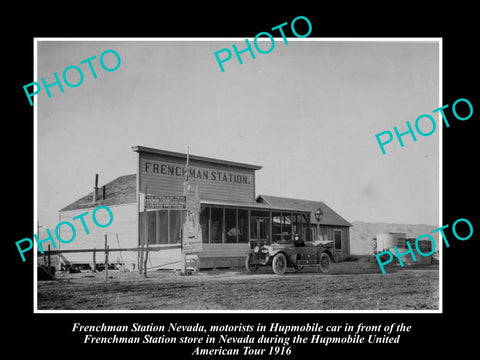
(165, 202)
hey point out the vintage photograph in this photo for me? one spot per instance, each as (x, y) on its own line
(298, 180)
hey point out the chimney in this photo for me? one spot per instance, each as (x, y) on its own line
(103, 192)
(95, 189)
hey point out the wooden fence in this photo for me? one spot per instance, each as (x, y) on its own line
(142, 254)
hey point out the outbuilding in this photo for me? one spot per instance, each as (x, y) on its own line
(232, 218)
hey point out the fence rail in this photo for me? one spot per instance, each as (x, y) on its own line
(141, 250)
(150, 248)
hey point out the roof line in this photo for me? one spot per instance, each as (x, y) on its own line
(288, 198)
(261, 196)
(145, 149)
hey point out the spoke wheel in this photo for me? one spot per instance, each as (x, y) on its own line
(279, 264)
(324, 263)
(249, 265)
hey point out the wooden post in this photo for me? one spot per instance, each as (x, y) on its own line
(121, 257)
(106, 259)
(145, 263)
(145, 242)
(140, 261)
(183, 270)
(94, 260)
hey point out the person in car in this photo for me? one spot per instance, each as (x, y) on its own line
(298, 240)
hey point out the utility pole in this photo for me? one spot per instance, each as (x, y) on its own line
(183, 270)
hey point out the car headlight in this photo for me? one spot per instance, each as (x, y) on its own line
(269, 249)
(255, 249)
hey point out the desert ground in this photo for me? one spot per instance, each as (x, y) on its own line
(352, 285)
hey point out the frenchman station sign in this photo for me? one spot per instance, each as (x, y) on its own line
(195, 172)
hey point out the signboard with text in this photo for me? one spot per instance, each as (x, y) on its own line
(192, 235)
(165, 202)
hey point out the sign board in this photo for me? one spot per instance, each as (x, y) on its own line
(192, 247)
(165, 202)
(192, 235)
(193, 204)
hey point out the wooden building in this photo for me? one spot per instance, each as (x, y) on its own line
(232, 217)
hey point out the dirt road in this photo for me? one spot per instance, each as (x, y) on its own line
(349, 286)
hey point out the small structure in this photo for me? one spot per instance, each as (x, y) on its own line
(387, 241)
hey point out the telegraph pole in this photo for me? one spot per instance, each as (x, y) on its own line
(185, 193)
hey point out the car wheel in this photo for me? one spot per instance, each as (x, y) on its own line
(298, 268)
(324, 263)
(279, 264)
(249, 265)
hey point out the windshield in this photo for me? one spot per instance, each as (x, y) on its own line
(284, 238)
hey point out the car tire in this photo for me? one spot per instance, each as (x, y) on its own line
(279, 264)
(249, 265)
(324, 262)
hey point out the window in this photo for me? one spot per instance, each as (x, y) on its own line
(231, 228)
(276, 226)
(242, 226)
(204, 224)
(175, 225)
(216, 225)
(338, 239)
(151, 227)
(306, 228)
(287, 225)
(297, 225)
(162, 227)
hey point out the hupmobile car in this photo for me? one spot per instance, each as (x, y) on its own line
(293, 253)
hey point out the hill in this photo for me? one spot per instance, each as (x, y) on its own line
(362, 233)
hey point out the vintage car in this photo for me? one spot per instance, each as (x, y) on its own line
(291, 253)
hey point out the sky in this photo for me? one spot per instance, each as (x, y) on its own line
(307, 112)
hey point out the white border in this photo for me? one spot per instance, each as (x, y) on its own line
(439, 40)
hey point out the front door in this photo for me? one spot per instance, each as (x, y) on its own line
(259, 231)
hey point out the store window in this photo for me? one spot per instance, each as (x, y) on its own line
(162, 227)
(242, 226)
(231, 228)
(151, 227)
(287, 225)
(205, 224)
(276, 226)
(175, 226)
(216, 225)
(298, 225)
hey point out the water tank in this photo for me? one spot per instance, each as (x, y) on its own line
(385, 242)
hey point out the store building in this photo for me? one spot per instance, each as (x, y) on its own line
(232, 216)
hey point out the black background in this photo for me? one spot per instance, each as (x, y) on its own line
(431, 334)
